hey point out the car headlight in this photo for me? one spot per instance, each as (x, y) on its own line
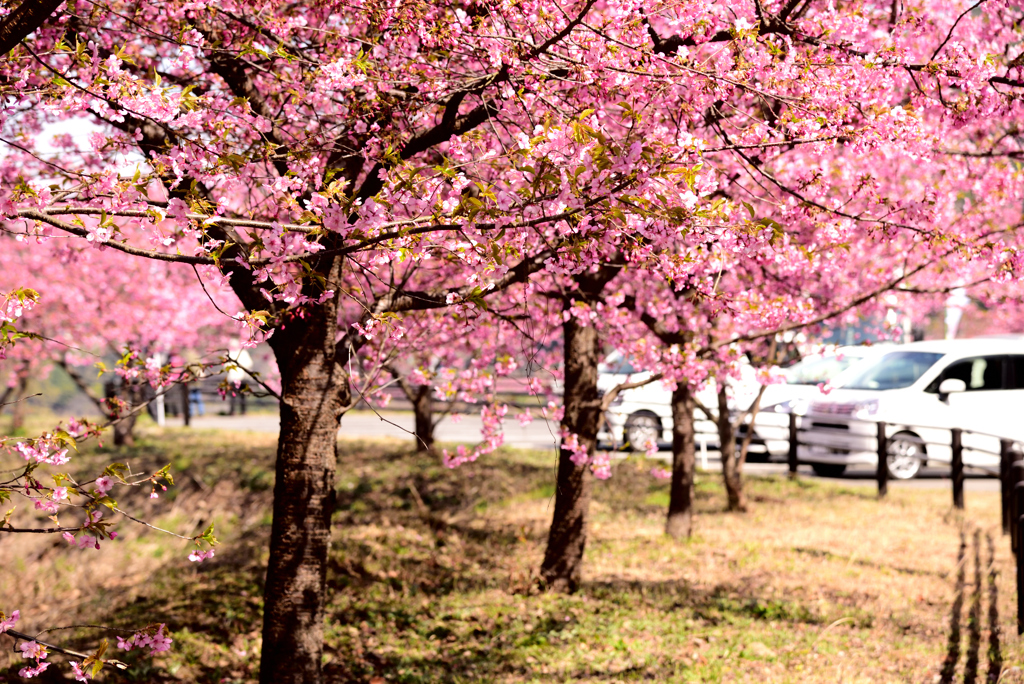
(863, 410)
(797, 406)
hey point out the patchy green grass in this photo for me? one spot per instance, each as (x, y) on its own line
(433, 575)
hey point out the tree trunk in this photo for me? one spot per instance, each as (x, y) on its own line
(124, 431)
(563, 559)
(120, 400)
(314, 388)
(5, 397)
(732, 469)
(680, 505)
(186, 404)
(423, 410)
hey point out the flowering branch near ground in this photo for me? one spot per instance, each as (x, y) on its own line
(151, 637)
(60, 492)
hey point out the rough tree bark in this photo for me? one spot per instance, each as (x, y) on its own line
(422, 408)
(186, 403)
(423, 412)
(563, 559)
(732, 470)
(123, 429)
(5, 397)
(314, 390)
(680, 505)
(26, 18)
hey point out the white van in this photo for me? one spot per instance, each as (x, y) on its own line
(802, 387)
(921, 390)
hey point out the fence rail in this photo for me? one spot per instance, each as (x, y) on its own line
(1010, 472)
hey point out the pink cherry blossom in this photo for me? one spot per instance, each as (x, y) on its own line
(406, 179)
(198, 556)
(152, 638)
(30, 672)
(7, 622)
(32, 650)
(80, 674)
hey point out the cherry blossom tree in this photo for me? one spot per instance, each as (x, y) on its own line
(148, 308)
(84, 503)
(317, 208)
(339, 166)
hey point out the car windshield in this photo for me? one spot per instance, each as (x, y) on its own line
(895, 370)
(816, 369)
(617, 365)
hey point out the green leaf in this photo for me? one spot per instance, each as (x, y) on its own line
(164, 473)
(107, 501)
(208, 537)
(117, 470)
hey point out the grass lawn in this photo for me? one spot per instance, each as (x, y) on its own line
(433, 576)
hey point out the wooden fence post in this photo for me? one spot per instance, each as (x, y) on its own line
(1016, 477)
(1005, 460)
(793, 443)
(1020, 576)
(1018, 493)
(958, 468)
(882, 472)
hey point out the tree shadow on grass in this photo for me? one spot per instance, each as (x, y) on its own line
(995, 654)
(948, 671)
(480, 647)
(974, 618)
(972, 662)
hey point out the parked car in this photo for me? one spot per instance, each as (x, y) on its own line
(921, 390)
(804, 380)
(644, 414)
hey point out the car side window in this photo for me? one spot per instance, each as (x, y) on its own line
(1015, 372)
(979, 374)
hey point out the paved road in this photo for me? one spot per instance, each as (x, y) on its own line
(541, 434)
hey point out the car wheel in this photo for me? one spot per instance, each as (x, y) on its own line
(756, 456)
(640, 429)
(905, 456)
(828, 469)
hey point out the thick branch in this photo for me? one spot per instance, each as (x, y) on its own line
(19, 24)
(655, 325)
(607, 399)
(36, 215)
(450, 125)
(234, 73)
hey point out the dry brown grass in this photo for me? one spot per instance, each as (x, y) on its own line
(817, 583)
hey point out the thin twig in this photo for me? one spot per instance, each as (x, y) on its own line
(59, 649)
